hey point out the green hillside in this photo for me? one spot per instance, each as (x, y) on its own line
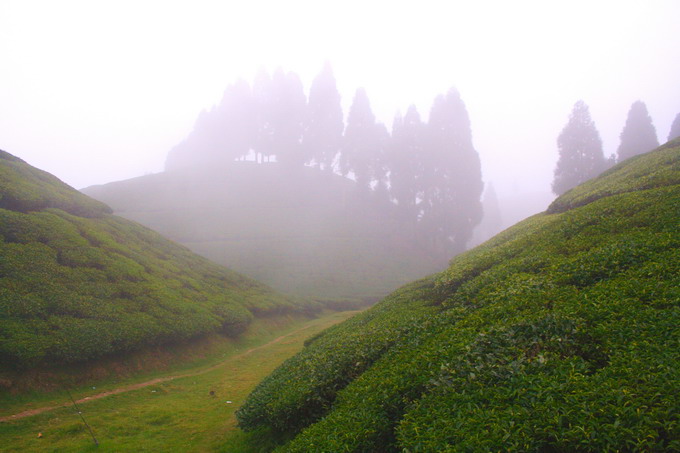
(300, 230)
(78, 283)
(560, 334)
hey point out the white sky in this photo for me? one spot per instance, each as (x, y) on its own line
(96, 91)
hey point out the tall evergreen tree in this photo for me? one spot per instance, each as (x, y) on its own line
(405, 162)
(237, 122)
(288, 106)
(263, 100)
(280, 108)
(361, 149)
(580, 151)
(324, 122)
(380, 166)
(675, 128)
(451, 206)
(638, 135)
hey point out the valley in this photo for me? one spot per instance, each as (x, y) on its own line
(163, 410)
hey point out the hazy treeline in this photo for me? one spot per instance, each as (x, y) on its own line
(580, 147)
(428, 173)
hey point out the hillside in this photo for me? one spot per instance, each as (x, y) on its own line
(300, 230)
(560, 334)
(78, 283)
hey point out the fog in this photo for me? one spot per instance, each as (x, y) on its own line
(96, 92)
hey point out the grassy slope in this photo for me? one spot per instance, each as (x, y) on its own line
(178, 415)
(560, 334)
(300, 230)
(77, 283)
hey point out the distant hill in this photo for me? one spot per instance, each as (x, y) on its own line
(560, 334)
(78, 283)
(301, 230)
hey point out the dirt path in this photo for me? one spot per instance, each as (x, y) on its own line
(140, 385)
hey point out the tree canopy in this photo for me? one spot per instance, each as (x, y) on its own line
(426, 174)
(580, 151)
(638, 135)
(324, 120)
(363, 141)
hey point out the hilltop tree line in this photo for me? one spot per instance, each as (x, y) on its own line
(428, 172)
(580, 148)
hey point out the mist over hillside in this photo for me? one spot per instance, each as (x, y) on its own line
(278, 186)
(323, 227)
(77, 283)
(302, 231)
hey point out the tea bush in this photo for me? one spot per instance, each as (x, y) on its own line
(560, 334)
(77, 283)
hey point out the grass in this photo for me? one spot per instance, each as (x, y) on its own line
(179, 415)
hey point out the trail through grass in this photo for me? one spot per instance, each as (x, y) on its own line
(189, 411)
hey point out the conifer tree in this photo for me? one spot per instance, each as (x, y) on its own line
(281, 105)
(675, 128)
(362, 142)
(405, 163)
(263, 100)
(380, 166)
(638, 135)
(580, 151)
(288, 106)
(451, 206)
(237, 122)
(324, 121)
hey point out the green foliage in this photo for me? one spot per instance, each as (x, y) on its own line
(560, 334)
(74, 288)
(301, 392)
(638, 135)
(580, 151)
(662, 168)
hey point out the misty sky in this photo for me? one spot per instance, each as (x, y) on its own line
(95, 91)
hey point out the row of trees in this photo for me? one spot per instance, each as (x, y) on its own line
(428, 172)
(580, 148)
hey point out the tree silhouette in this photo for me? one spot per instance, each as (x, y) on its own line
(362, 143)
(580, 151)
(638, 135)
(405, 163)
(324, 121)
(675, 128)
(236, 121)
(221, 135)
(264, 112)
(452, 188)
(288, 111)
(281, 105)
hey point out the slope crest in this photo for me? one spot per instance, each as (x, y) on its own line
(646, 171)
(24, 188)
(77, 283)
